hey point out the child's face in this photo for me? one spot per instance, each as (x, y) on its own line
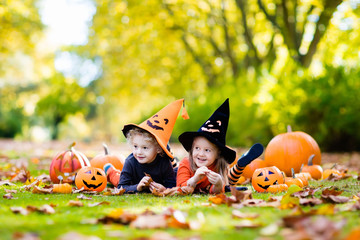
(204, 153)
(144, 151)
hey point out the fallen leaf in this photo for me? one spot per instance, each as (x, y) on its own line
(149, 222)
(218, 199)
(6, 182)
(19, 210)
(10, 191)
(73, 203)
(25, 236)
(334, 199)
(99, 203)
(82, 196)
(247, 224)
(37, 189)
(8, 196)
(22, 176)
(77, 236)
(238, 214)
(310, 202)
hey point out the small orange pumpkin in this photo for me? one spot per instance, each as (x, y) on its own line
(294, 180)
(290, 150)
(62, 188)
(91, 179)
(100, 160)
(264, 177)
(276, 188)
(330, 171)
(316, 171)
(65, 165)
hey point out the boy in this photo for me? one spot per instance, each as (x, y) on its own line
(149, 166)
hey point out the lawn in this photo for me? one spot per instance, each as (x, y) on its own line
(326, 209)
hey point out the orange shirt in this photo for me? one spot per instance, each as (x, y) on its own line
(185, 173)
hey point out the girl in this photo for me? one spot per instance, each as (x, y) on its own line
(206, 168)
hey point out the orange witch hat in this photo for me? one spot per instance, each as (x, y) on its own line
(161, 124)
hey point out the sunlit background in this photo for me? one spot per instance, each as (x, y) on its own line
(81, 69)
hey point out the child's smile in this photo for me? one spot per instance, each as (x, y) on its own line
(204, 153)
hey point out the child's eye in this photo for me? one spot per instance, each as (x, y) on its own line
(197, 148)
(145, 148)
(207, 150)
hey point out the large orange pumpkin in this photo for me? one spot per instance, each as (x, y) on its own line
(65, 165)
(291, 150)
(100, 160)
(91, 179)
(262, 178)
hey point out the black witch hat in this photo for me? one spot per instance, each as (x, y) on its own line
(214, 129)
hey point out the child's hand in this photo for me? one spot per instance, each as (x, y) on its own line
(156, 186)
(145, 182)
(201, 173)
(214, 178)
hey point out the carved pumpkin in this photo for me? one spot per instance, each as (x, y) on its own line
(264, 177)
(314, 170)
(65, 165)
(250, 168)
(291, 150)
(91, 179)
(100, 160)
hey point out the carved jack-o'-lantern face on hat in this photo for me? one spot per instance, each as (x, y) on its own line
(264, 177)
(161, 124)
(157, 123)
(212, 126)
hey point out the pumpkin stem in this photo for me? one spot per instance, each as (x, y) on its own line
(289, 128)
(292, 173)
(72, 145)
(310, 160)
(333, 166)
(302, 165)
(106, 149)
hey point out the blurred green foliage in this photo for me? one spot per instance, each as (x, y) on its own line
(279, 62)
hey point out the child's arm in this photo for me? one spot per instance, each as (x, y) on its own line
(184, 173)
(127, 177)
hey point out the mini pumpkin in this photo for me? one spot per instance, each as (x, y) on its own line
(316, 171)
(294, 180)
(277, 188)
(100, 160)
(291, 150)
(262, 178)
(331, 171)
(62, 188)
(65, 165)
(91, 179)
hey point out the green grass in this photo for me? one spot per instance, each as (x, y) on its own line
(218, 224)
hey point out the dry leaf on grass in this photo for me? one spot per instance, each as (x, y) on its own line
(44, 190)
(9, 196)
(99, 203)
(82, 196)
(6, 182)
(73, 203)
